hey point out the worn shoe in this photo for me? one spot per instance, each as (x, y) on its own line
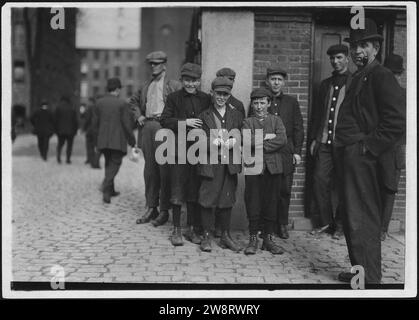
(217, 233)
(320, 230)
(269, 245)
(150, 214)
(383, 235)
(227, 243)
(252, 247)
(161, 219)
(176, 237)
(115, 193)
(68, 161)
(206, 242)
(192, 236)
(283, 232)
(338, 234)
(106, 197)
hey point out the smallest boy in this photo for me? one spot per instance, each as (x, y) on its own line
(261, 187)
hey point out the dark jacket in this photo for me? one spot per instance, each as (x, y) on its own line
(234, 120)
(320, 106)
(236, 104)
(88, 120)
(42, 121)
(66, 122)
(377, 104)
(176, 109)
(272, 157)
(113, 123)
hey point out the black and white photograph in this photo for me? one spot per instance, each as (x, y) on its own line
(209, 150)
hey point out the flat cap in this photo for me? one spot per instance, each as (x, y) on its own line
(113, 83)
(337, 48)
(394, 62)
(226, 72)
(191, 70)
(157, 56)
(260, 93)
(222, 84)
(276, 69)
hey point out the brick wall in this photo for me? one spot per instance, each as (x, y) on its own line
(286, 40)
(400, 48)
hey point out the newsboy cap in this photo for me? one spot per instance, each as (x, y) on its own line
(260, 93)
(226, 72)
(276, 69)
(113, 83)
(191, 70)
(337, 48)
(157, 56)
(394, 62)
(368, 33)
(222, 84)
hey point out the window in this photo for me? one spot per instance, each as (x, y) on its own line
(117, 71)
(106, 74)
(129, 55)
(130, 72)
(96, 74)
(84, 68)
(117, 53)
(96, 54)
(106, 56)
(95, 91)
(84, 86)
(130, 90)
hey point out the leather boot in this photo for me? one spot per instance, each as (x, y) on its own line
(206, 242)
(150, 214)
(161, 219)
(176, 237)
(252, 247)
(227, 242)
(106, 197)
(269, 245)
(283, 232)
(191, 235)
(217, 233)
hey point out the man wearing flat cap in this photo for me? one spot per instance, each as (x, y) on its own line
(113, 123)
(185, 105)
(147, 105)
(325, 112)
(232, 101)
(217, 192)
(288, 109)
(394, 63)
(371, 120)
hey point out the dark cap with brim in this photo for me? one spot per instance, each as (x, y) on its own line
(191, 70)
(337, 48)
(157, 56)
(276, 69)
(222, 84)
(260, 93)
(394, 62)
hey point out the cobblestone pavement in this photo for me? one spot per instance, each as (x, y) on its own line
(59, 219)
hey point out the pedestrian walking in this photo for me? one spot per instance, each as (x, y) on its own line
(288, 109)
(90, 138)
(113, 122)
(147, 105)
(261, 189)
(42, 121)
(396, 156)
(219, 181)
(185, 105)
(325, 112)
(66, 126)
(371, 120)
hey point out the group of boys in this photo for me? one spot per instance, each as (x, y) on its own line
(358, 124)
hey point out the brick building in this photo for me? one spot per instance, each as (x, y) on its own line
(250, 39)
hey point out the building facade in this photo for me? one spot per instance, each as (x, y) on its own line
(296, 38)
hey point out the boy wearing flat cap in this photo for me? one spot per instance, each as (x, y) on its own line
(217, 192)
(371, 121)
(288, 109)
(325, 112)
(147, 105)
(261, 190)
(233, 102)
(185, 105)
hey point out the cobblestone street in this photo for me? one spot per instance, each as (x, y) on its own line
(59, 219)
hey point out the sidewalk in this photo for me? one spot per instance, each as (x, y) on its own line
(59, 219)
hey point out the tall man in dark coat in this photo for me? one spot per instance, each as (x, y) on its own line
(43, 126)
(92, 155)
(288, 109)
(325, 112)
(66, 126)
(184, 105)
(370, 122)
(397, 161)
(113, 123)
(147, 105)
